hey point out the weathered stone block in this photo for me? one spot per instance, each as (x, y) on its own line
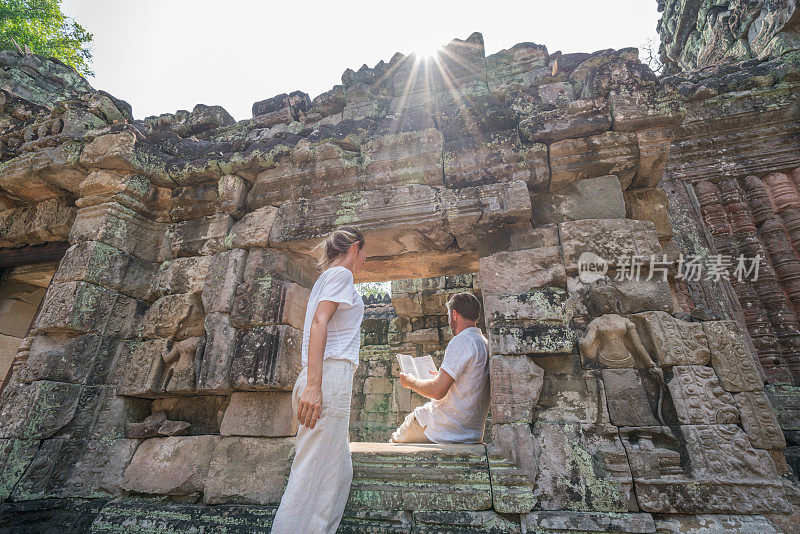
(265, 263)
(396, 476)
(232, 191)
(182, 275)
(174, 317)
(314, 170)
(76, 467)
(723, 453)
(363, 521)
(170, 466)
(785, 400)
(403, 158)
(477, 216)
(19, 178)
(634, 397)
(624, 296)
(269, 301)
(582, 467)
(545, 306)
(614, 153)
(204, 237)
(512, 486)
(215, 365)
(129, 189)
(468, 110)
(119, 151)
(515, 386)
(74, 306)
(122, 228)
(79, 360)
(649, 204)
(695, 523)
(610, 239)
(401, 219)
(542, 338)
(672, 341)
(498, 157)
(143, 373)
(512, 273)
(568, 521)
(39, 410)
(253, 229)
(592, 198)
(49, 220)
(15, 457)
(572, 398)
(266, 358)
(48, 469)
(522, 64)
(135, 514)
(654, 145)
(259, 480)
(193, 202)
(514, 442)
(461, 522)
(731, 358)
(698, 398)
(579, 118)
(638, 108)
(246, 415)
(224, 275)
(103, 265)
(99, 470)
(759, 420)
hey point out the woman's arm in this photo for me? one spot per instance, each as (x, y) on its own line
(311, 400)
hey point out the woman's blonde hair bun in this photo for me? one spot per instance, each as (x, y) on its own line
(338, 243)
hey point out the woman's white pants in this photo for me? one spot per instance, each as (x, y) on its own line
(322, 470)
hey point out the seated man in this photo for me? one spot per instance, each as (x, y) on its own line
(460, 389)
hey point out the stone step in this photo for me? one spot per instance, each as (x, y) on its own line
(394, 476)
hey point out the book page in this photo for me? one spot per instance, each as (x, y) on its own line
(424, 364)
(406, 364)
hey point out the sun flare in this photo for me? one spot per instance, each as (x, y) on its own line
(426, 49)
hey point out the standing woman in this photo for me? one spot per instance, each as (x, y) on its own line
(322, 471)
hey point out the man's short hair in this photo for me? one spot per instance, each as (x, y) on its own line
(466, 304)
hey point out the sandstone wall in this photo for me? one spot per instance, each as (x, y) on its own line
(704, 33)
(159, 370)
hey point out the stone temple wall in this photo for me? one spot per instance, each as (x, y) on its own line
(703, 33)
(152, 390)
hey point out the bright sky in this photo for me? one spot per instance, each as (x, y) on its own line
(165, 55)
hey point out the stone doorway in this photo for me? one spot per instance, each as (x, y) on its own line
(409, 318)
(22, 289)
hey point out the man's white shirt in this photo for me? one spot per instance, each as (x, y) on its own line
(460, 416)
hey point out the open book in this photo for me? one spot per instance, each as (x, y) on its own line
(419, 367)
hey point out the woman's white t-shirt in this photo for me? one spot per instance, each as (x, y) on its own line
(344, 329)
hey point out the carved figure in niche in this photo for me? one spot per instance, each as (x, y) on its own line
(613, 342)
(176, 369)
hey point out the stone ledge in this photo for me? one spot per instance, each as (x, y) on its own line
(420, 476)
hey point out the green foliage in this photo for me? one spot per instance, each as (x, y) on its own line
(44, 29)
(373, 288)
